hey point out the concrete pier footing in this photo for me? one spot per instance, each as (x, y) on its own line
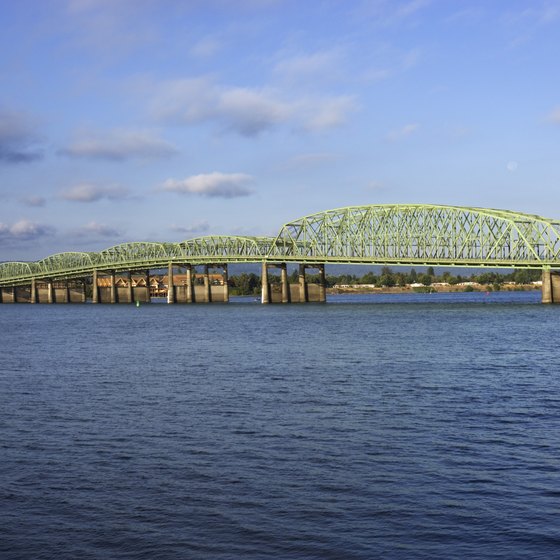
(207, 288)
(284, 292)
(551, 286)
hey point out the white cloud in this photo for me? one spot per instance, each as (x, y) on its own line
(198, 227)
(88, 192)
(320, 65)
(538, 14)
(403, 132)
(327, 113)
(119, 145)
(386, 62)
(18, 138)
(251, 111)
(205, 48)
(527, 23)
(410, 8)
(35, 201)
(390, 12)
(375, 186)
(247, 111)
(97, 229)
(213, 185)
(24, 230)
(312, 160)
(112, 28)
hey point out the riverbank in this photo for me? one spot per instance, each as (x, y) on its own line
(469, 287)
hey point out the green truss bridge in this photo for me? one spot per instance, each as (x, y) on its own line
(385, 234)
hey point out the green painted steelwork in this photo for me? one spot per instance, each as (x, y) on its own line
(391, 234)
(419, 234)
(225, 249)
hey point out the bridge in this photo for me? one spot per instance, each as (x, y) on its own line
(382, 234)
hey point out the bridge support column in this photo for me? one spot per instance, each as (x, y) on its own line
(113, 288)
(129, 287)
(302, 285)
(225, 280)
(284, 282)
(265, 292)
(189, 286)
(50, 292)
(148, 287)
(14, 294)
(67, 286)
(170, 286)
(33, 295)
(322, 284)
(551, 286)
(207, 289)
(84, 293)
(94, 288)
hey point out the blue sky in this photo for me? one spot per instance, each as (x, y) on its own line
(132, 120)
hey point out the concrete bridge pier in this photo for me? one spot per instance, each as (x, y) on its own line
(550, 286)
(225, 278)
(302, 292)
(211, 291)
(302, 283)
(94, 288)
(129, 288)
(284, 283)
(50, 292)
(207, 290)
(33, 294)
(148, 296)
(322, 284)
(113, 297)
(305, 292)
(170, 286)
(189, 286)
(265, 289)
(268, 295)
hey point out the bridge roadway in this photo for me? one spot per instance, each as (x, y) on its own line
(385, 234)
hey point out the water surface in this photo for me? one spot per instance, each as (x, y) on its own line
(380, 426)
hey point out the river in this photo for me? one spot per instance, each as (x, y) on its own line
(420, 426)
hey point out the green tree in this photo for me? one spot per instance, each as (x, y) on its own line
(368, 278)
(412, 277)
(387, 280)
(400, 279)
(522, 277)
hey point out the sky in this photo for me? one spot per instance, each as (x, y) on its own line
(164, 120)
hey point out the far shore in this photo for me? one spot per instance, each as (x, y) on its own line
(473, 287)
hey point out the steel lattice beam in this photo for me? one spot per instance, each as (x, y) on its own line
(397, 234)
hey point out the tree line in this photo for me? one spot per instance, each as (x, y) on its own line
(250, 283)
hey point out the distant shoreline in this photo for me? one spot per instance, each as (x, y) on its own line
(434, 289)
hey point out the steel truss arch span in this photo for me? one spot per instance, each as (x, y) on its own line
(399, 234)
(66, 263)
(17, 270)
(226, 248)
(416, 234)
